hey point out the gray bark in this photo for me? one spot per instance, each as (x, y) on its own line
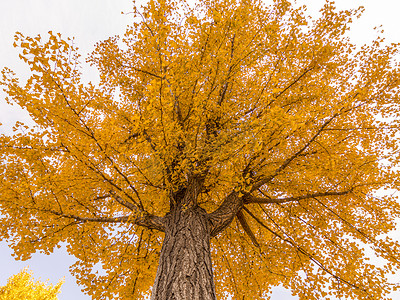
(185, 269)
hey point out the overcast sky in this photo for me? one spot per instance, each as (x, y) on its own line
(90, 21)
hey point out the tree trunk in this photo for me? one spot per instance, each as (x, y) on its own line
(185, 269)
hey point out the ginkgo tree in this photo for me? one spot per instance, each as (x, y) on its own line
(234, 132)
(22, 286)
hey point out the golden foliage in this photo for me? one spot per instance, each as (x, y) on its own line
(256, 99)
(22, 286)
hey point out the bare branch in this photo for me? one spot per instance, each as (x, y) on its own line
(224, 214)
(144, 219)
(253, 199)
(92, 219)
(247, 228)
(121, 201)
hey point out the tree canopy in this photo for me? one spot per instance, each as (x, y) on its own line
(274, 123)
(22, 286)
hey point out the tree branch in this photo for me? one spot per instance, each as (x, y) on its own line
(124, 203)
(253, 199)
(302, 250)
(267, 179)
(145, 219)
(224, 214)
(247, 228)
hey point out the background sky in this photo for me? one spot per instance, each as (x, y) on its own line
(90, 21)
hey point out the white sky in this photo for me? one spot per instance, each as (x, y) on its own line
(90, 21)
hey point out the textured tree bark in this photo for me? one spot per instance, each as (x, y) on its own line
(185, 269)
